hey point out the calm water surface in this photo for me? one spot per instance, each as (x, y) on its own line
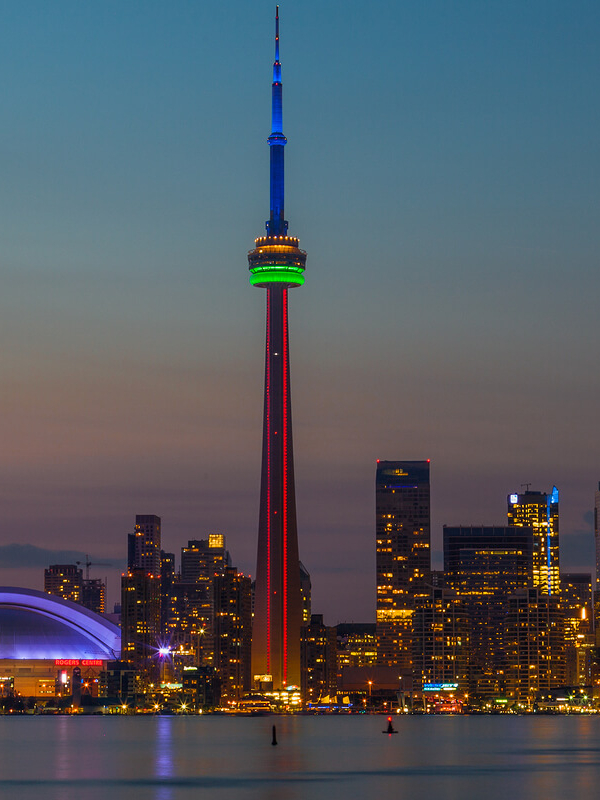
(321, 758)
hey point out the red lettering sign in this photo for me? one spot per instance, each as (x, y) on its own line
(67, 662)
(91, 663)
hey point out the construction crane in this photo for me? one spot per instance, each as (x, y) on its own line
(89, 564)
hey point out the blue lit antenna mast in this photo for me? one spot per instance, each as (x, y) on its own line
(277, 225)
(277, 264)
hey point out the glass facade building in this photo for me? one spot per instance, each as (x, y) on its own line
(403, 554)
(539, 511)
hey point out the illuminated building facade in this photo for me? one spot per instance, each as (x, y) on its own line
(67, 581)
(232, 633)
(204, 558)
(93, 595)
(403, 555)
(441, 641)
(483, 565)
(167, 579)
(140, 622)
(143, 546)
(277, 264)
(189, 625)
(534, 642)
(319, 666)
(356, 645)
(539, 511)
(64, 580)
(577, 607)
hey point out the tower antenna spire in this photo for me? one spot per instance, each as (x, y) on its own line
(276, 33)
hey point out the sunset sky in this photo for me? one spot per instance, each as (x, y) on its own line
(442, 171)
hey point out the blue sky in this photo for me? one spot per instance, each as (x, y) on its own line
(441, 172)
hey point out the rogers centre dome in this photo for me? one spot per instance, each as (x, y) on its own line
(39, 630)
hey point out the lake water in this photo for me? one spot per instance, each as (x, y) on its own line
(321, 758)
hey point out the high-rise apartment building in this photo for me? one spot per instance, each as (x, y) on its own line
(64, 580)
(67, 581)
(483, 565)
(403, 555)
(441, 634)
(319, 663)
(577, 608)
(143, 546)
(277, 264)
(534, 644)
(202, 559)
(232, 636)
(539, 511)
(93, 595)
(140, 622)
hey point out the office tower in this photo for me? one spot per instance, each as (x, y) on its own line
(64, 580)
(277, 264)
(140, 622)
(189, 621)
(143, 546)
(539, 511)
(204, 558)
(192, 617)
(483, 565)
(319, 663)
(93, 595)
(403, 555)
(597, 534)
(534, 642)
(232, 633)
(441, 641)
(577, 607)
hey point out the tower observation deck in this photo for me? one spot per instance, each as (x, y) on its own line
(277, 264)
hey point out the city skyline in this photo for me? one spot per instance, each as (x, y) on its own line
(445, 167)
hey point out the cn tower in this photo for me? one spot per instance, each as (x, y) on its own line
(277, 264)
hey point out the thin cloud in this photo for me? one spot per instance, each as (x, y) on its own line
(19, 556)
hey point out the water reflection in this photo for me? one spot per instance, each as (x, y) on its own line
(163, 757)
(173, 758)
(283, 761)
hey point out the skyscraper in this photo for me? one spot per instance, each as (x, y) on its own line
(539, 511)
(403, 555)
(143, 546)
(232, 601)
(484, 565)
(64, 580)
(140, 621)
(277, 264)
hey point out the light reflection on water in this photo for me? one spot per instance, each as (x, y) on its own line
(321, 758)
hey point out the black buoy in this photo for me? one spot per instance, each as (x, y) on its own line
(274, 742)
(390, 727)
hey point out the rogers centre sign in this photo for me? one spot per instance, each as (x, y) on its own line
(76, 662)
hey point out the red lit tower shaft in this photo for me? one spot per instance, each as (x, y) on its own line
(278, 613)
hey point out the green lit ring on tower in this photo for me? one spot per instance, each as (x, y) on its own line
(277, 261)
(263, 277)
